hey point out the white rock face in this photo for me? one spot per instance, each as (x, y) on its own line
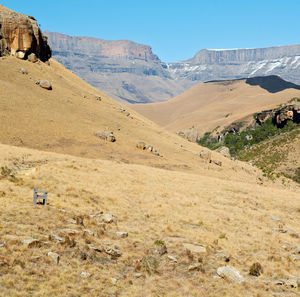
(231, 273)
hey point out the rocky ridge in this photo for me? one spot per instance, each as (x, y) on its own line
(20, 36)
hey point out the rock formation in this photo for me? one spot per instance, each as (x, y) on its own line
(20, 36)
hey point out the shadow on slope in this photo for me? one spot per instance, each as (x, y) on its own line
(272, 83)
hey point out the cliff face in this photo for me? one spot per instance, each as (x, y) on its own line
(129, 71)
(21, 36)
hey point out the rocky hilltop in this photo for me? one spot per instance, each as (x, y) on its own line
(20, 36)
(125, 70)
(129, 71)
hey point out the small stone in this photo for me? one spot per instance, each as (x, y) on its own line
(122, 234)
(96, 249)
(256, 269)
(57, 238)
(194, 248)
(114, 253)
(32, 58)
(85, 274)
(275, 219)
(45, 84)
(107, 218)
(137, 274)
(141, 145)
(69, 231)
(224, 150)
(2, 244)
(55, 257)
(218, 163)
(90, 232)
(231, 273)
(113, 280)
(72, 221)
(98, 98)
(109, 136)
(173, 258)
(197, 266)
(23, 71)
(30, 242)
(20, 55)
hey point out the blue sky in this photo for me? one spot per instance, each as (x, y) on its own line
(175, 29)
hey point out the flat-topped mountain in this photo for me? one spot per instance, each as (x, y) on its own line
(123, 69)
(129, 71)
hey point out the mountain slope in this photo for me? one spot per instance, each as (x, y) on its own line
(219, 103)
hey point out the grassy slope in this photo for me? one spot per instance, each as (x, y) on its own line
(209, 105)
(226, 216)
(223, 208)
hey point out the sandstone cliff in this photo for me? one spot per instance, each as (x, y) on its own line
(20, 36)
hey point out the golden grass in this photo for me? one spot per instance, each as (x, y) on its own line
(150, 204)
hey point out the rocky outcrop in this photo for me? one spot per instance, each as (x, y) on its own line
(280, 115)
(191, 134)
(20, 36)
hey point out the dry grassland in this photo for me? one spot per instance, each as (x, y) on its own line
(233, 218)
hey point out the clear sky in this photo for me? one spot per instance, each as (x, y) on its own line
(175, 29)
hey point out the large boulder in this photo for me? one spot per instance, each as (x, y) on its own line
(190, 134)
(224, 150)
(20, 36)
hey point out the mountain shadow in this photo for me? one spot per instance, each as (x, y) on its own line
(272, 83)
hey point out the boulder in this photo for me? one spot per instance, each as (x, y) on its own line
(32, 58)
(20, 36)
(114, 253)
(122, 234)
(30, 242)
(23, 71)
(108, 136)
(256, 269)
(141, 145)
(230, 273)
(206, 155)
(217, 162)
(190, 134)
(45, 84)
(224, 150)
(194, 248)
(106, 218)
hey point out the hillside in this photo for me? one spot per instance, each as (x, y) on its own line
(129, 71)
(219, 103)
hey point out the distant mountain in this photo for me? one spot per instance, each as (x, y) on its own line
(125, 70)
(239, 63)
(129, 71)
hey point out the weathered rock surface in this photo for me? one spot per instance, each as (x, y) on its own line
(147, 147)
(108, 136)
(55, 257)
(224, 150)
(20, 36)
(190, 134)
(206, 155)
(45, 84)
(194, 248)
(230, 273)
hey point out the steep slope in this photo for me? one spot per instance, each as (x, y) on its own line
(219, 103)
(125, 70)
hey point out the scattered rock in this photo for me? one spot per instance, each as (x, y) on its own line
(55, 257)
(162, 250)
(173, 258)
(256, 269)
(32, 58)
(114, 253)
(69, 231)
(106, 218)
(98, 98)
(20, 55)
(57, 238)
(45, 84)
(275, 219)
(23, 71)
(206, 155)
(122, 234)
(197, 266)
(194, 248)
(231, 273)
(218, 163)
(138, 274)
(141, 145)
(2, 244)
(72, 221)
(85, 274)
(96, 249)
(291, 232)
(108, 136)
(224, 150)
(90, 232)
(30, 242)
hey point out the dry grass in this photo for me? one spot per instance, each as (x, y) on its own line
(152, 205)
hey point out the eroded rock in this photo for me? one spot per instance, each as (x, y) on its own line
(108, 136)
(230, 273)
